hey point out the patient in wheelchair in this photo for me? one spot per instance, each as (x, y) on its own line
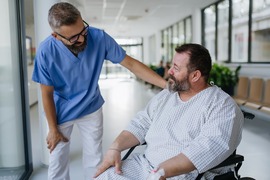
(189, 128)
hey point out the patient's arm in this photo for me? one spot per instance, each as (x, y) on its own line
(177, 165)
(124, 141)
(113, 156)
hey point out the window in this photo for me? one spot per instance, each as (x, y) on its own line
(165, 43)
(223, 31)
(188, 26)
(170, 46)
(133, 48)
(152, 49)
(181, 32)
(240, 16)
(241, 33)
(175, 38)
(260, 33)
(175, 35)
(14, 147)
(210, 30)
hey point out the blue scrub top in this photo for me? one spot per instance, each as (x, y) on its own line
(75, 79)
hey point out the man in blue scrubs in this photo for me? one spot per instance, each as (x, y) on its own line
(67, 67)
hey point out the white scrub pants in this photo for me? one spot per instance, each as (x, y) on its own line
(91, 130)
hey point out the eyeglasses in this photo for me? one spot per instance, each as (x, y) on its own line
(74, 39)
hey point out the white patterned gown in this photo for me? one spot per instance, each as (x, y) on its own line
(206, 129)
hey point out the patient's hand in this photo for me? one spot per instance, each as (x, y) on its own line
(112, 158)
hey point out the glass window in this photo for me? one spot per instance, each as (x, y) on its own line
(244, 45)
(152, 51)
(210, 30)
(165, 38)
(181, 28)
(223, 31)
(175, 38)
(170, 47)
(133, 48)
(175, 35)
(129, 41)
(240, 31)
(29, 56)
(188, 30)
(260, 31)
(258, 5)
(12, 145)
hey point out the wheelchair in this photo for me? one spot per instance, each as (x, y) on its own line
(234, 159)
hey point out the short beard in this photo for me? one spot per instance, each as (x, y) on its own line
(178, 86)
(76, 49)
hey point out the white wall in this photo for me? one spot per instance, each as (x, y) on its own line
(253, 70)
(30, 31)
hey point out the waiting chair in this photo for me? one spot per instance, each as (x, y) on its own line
(255, 93)
(242, 90)
(234, 159)
(266, 98)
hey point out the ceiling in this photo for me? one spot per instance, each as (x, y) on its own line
(130, 18)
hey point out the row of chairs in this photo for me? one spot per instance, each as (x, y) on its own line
(253, 93)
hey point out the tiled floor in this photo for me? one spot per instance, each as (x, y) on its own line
(123, 99)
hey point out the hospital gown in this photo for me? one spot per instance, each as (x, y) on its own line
(206, 129)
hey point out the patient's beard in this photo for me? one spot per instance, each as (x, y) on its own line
(178, 85)
(76, 49)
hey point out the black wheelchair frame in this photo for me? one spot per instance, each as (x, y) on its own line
(234, 159)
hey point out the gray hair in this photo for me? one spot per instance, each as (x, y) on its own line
(63, 13)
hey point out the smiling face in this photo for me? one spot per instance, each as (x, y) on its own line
(179, 73)
(73, 36)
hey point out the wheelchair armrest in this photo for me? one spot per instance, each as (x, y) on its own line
(130, 151)
(233, 159)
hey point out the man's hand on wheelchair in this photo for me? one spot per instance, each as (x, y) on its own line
(112, 158)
